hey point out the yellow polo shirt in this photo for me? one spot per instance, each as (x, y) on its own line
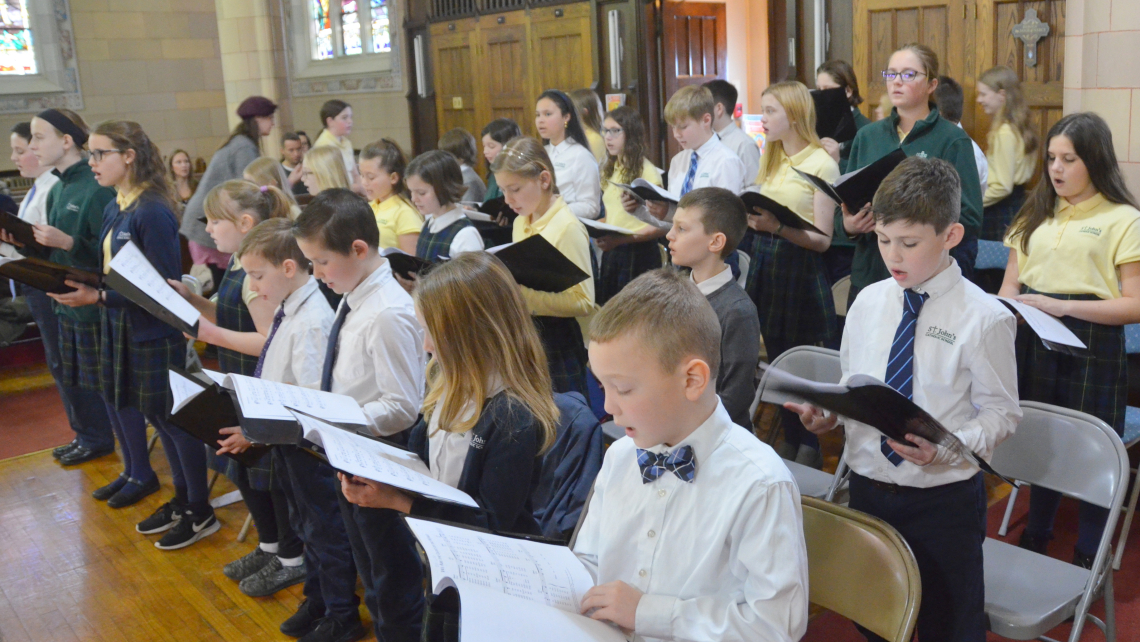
(1080, 248)
(611, 197)
(395, 217)
(344, 145)
(789, 188)
(1009, 165)
(597, 145)
(564, 231)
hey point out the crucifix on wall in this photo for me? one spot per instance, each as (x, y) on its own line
(1029, 31)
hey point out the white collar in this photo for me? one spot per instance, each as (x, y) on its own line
(47, 178)
(441, 221)
(705, 438)
(703, 150)
(714, 283)
(369, 285)
(727, 131)
(940, 283)
(297, 298)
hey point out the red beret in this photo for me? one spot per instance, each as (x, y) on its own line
(256, 106)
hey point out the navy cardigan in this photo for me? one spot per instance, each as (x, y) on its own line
(500, 473)
(154, 229)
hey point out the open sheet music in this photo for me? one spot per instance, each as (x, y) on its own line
(510, 589)
(201, 408)
(263, 399)
(643, 190)
(856, 189)
(363, 457)
(134, 277)
(1053, 333)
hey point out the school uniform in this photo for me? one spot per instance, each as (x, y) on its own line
(496, 462)
(718, 557)
(554, 312)
(493, 190)
(448, 234)
(395, 217)
(375, 355)
(344, 145)
(739, 344)
(1010, 169)
(475, 187)
(745, 147)
(961, 369)
(710, 165)
(597, 145)
(576, 175)
(932, 137)
(1076, 255)
(294, 354)
(626, 262)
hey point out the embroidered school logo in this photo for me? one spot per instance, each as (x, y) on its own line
(478, 442)
(1088, 229)
(124, 236)
(72, 207)
(941, 335)
(921, 154)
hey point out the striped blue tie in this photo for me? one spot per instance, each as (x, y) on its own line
(687, 186)
(900, 367)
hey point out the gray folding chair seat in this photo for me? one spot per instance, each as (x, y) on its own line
(1057, 587)
(811, 482)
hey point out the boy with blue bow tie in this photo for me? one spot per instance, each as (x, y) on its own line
(694, 531)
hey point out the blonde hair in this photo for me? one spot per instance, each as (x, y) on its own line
(526, 157)
(263, 203)
(796, 100)
(327, 164)
(483, 333)
(1016, 110)
(691, 102)
(267, 171)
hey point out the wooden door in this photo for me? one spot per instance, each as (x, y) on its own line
(695, 49)
(454, 72)
(562, 49)
(503, 60)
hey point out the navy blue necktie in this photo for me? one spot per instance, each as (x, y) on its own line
(680, 462)
(277, 318)
(900, 367)
(330, 352)
(687, 186)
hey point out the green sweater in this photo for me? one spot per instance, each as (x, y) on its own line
(493, 190)
(75, 206)
(932, 137)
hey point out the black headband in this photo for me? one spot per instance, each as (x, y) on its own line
(64, 125)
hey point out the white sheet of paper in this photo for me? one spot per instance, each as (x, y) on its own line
(373, 460)
(132, 264)
(486, 615)
(183, 390)
(543, 573)
(262, 399)
(606, 227)
(476, 215)
(216, 377)
(1047, 326)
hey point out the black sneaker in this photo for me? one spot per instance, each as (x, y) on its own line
(272, 577)
(247, 565)
(306, 618)
(162, 519)
(1039, 545)
(104, 493)
(133, 492)
(188, 530)
(330, 630)
(60, 451)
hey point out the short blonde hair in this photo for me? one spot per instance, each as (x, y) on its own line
(327, 164)
(690, 102)
(668, 313)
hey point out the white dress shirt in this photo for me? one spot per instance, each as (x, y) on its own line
(745, 147)
(577, 177)
(965, 372)
(719, 558)
(466, 239)
(982, 162)
(33, 208)
(380, 357)
(296, 355)
(717, 166)
(713, 283)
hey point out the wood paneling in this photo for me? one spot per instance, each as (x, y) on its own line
(562, 47)
(452, 47)
(695, 49)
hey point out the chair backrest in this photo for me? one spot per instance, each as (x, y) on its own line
(992, 255)
(812, 363)
(862, 569)
(840, 291)
(1067, 451)
(1132, 338)
(744, 262)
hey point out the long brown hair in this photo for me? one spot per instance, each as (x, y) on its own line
(248, 128)
(1092, 141)
(1016, 109)
(190, 180)
(268, 171)
(589, 107)
(148, 172)
(632, 157)
(483, 333)
(392, 160)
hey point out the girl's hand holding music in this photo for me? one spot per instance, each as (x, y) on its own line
(629, 202)
(180, 288)
(613, 602)
(208, 332)
(611, 241)
(408, 284)
(371, 494)
(49, 236)
(862, 222)
(83, 295)
(762, 221)
(236, 443)
(658, 209)
(1047, 304)
(5, 237)
(831, 147)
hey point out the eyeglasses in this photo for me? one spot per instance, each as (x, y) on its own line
(905, 76)
(98, 154)
(611, 132)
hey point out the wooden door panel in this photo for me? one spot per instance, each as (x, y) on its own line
(695, 49)
(563, 48)
(505, 88)
(453, 58)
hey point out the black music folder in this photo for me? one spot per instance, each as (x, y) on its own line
(23, 231)
(643, 190)
(204, 413)
(538, 265)
(856, 189)
(782, 213)
(833, 117)
(47, 276)
(405, 264)
(598, 229)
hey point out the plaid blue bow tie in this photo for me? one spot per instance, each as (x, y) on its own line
(681, 462)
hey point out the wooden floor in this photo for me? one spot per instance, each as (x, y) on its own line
(73, 569)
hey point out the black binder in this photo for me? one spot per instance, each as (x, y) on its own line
(206, 414)
(405, 264)
(833, 117)
(538, 265)
(784, 215)
(496, 207)
(120, 284)
(856, 189)
(47, 276)
(22, 231)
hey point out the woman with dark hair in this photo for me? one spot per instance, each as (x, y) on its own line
(575, 168)
(1075, 254)
(182, 178)
(496, 135)
(228, 163)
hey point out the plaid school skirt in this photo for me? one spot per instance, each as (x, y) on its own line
(565, 353)
(997, 217)
(79, 353)
(136, 374)
(1096, 383)
(624, 264)
(789, 286)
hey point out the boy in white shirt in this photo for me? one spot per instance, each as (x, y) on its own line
(374, 355)
(940, 340)
(294, 353)
(694, 530)
(724, 124)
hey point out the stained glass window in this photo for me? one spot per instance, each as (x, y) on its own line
(350, 27)
(322, 30)
(380, 40)
(345, 27)
(17, 57)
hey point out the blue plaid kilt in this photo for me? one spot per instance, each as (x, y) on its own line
(79, 353)
(136, 374)
(1096, 383)
(624, 264)
(789, 286)
(565, 352)
(997, 217)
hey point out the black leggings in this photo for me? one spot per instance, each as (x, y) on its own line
(271, 516)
